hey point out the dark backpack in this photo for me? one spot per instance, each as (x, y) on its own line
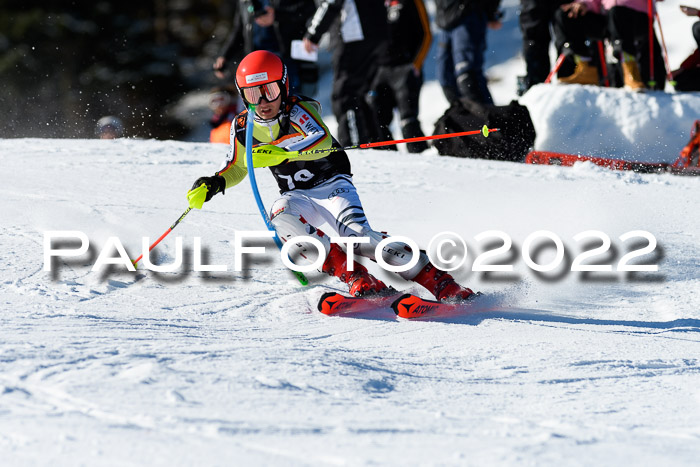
(512, 142)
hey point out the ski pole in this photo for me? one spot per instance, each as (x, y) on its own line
(164, 235)
(652, 81)
(254, 185)
(603, 64)
(485, 131)
(669, 76)
(557, 65)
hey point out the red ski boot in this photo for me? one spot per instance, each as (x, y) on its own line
(442, 285)
(361, 282)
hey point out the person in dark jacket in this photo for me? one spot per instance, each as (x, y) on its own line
(400, 76)
(357, 29)
(461, 46)
(272, 26)
(536, 18)
(248, 33)
(288, 22)
(687, 76)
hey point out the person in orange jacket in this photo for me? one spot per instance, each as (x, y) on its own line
(226, 104)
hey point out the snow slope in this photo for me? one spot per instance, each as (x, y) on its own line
(238, 368)
(106, 368)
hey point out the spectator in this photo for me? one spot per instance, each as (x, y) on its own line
(225, 105)
(399, 78)
(575, 28)
(627, 23)
(536, 16)
(687, 76)
(690, 11)
(359, 28)
(294, 14)
(461, 47)
(257, 27)
(109, 127)
(251, 31)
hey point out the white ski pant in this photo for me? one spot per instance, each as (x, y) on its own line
(337, 204)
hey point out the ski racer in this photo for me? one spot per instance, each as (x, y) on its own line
(315, 187)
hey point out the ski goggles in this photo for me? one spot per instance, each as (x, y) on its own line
(270, 91)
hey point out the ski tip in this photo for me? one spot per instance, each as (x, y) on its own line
(397, 303)
(324, 305)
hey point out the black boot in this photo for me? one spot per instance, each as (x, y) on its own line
(411, 129)
(471, 87)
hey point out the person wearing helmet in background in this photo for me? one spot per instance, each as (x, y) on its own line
(109, 127)
(315, 187)
(225, 105)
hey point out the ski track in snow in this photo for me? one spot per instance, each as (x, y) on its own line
(152, 368)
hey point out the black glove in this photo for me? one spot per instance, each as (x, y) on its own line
(215, 184)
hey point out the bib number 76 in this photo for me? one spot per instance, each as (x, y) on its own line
(301, 176)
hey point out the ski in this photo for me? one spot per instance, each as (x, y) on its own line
(411, 307)
(333, 303)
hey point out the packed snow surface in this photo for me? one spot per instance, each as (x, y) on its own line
(560, 367)
(122, 368)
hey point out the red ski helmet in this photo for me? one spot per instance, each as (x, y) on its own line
(258, 69)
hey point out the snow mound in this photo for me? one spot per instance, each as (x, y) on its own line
(611, 122)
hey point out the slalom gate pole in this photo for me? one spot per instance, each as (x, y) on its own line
(652, 81)
(557, 65)
(485, 131)
(254, 185)
(603, 64)
(164, 235)
(664, 51)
